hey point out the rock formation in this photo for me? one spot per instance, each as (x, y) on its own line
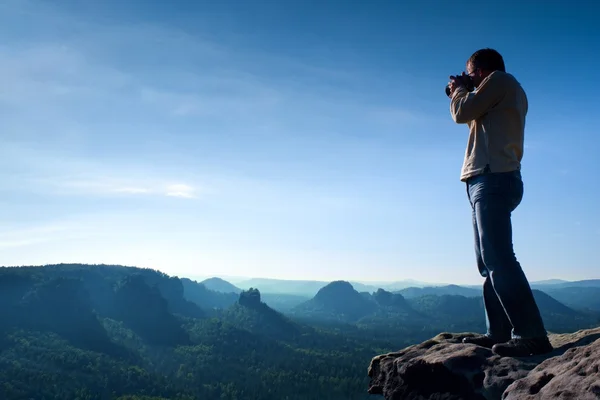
(443, 368)
(250, 297)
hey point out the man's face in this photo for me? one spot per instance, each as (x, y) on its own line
(475, 74)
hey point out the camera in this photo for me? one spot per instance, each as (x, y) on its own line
(466, 80)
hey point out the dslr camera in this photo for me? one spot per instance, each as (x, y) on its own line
(466, 80)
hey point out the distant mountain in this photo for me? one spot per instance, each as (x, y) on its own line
(413, 292)
(390, 300)
(392, 309)
(363, 287)
(554, 284)
(404, 284)
(583, 283)
(337, 300)
(205, 298)
(550, 305)
(549, 282)
(560, 318)
(220, 285)
(579, 298)
(558, 283)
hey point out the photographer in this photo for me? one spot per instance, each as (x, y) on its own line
(493, 105)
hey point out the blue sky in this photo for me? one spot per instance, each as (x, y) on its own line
(296, 140)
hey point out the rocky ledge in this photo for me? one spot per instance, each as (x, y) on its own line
(443, 368)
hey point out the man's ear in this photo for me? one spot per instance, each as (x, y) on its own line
(484, 73)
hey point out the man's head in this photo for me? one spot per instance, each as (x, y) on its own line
(482, 63)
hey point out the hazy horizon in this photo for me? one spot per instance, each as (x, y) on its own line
(243, 279)
(295, 141)
(238, 279)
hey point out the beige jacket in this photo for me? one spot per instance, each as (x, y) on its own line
(495, 114)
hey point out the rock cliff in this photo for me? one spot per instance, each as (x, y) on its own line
(443, 368)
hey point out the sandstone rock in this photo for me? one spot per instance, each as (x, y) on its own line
(574, 375)
(444, 368)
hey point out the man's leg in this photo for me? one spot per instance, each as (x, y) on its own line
(497, 196)
(498, 325)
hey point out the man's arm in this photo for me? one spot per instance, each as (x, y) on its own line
(466, 106)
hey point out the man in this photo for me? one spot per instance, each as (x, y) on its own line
(495, 114)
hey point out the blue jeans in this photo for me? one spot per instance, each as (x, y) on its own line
(510, 308)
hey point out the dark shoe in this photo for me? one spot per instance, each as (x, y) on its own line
(523, 347)
(482, 340)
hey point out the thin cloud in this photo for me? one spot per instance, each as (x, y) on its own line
(107, 187)
(48, 175)
(181, 190)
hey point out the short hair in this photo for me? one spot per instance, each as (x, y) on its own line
(488, 59)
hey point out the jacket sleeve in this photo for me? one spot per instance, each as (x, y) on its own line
(466, 106)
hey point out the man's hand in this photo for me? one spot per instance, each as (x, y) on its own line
(456, 82)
